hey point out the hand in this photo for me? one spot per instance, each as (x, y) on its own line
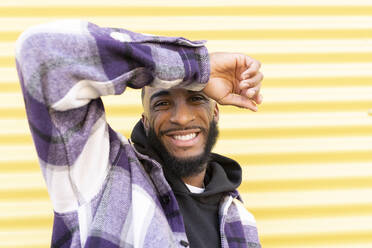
(234, 80)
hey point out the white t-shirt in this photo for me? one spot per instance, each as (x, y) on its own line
(195, 190)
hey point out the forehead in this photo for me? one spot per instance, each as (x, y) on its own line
(153, 93)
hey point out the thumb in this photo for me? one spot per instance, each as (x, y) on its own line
(238, 101)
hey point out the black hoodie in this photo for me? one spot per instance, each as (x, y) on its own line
(199, 211)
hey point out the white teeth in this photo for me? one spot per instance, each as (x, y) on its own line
(185, 137)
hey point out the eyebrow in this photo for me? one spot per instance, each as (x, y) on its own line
(160, 93)
(167, 93)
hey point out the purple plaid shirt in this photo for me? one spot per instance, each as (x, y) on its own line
(104, 193)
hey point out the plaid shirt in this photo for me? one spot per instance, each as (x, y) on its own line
(104, 193)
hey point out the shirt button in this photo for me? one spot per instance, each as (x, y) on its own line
(165, 199)
(184, 243)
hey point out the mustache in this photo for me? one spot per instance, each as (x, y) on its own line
(164, 132)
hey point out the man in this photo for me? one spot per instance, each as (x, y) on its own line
(162, 188)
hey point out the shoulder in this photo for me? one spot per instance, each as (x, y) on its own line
(246, 217)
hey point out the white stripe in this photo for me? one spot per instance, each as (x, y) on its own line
(299, 95)
(266, 46)
(86, 175)
(21, 180)
(59, 186)
(310, 70)
(316, 70)
(293, 145)
(37, 237)
(227, 121)
(246, 217)
(182, 23)
(84, 215)
(18, 153)
(296, 119)
(299, 226)
(209, 3)
(226, 205)
(25, 209)
(164, 83)
(7, 49)
(91, 167)
(8, 74)
(143, 208)
(257, 173)
(271, 95)
(81, 94)
(232, 146)
(70, 26)
(360, 244)
(291, 46)
(307, 198)
(15, 126)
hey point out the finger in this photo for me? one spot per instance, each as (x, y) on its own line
(252, 92)
(252, 82)
(252, 69)
(258, 99)
(238, 101)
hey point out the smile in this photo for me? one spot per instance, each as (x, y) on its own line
(184, 137)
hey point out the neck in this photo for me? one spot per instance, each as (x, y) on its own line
(196, 180)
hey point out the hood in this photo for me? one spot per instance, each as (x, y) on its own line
(223, 174)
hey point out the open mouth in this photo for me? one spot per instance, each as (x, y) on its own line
(184, 138)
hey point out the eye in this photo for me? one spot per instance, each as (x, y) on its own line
(198, 98)
(161, 104)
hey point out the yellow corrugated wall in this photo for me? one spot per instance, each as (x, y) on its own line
(307, 153)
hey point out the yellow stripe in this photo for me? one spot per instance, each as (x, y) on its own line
(317, 238)
(251, 159)
(23, 194)
(311, 211)
(7, 61)
(10, 87)
(306, 184)
(313, 57)
(268, 82)
(282, 132)
(14, 139)
(265, 107)
(83, 11)
(277, 58)
(18, 223)
(243, 133)
(317, 82)
(312, 107)
(18, 113)
(292, 132)
(278, 34)
(304, 157)
(20, 166)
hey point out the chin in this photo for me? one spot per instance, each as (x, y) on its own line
(185, 155)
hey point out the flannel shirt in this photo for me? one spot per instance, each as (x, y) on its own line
(105, 193)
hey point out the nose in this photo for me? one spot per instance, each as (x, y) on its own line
(182, 114)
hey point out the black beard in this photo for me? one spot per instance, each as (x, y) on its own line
(185, 167)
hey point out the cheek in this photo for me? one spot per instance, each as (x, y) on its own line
(157, 121)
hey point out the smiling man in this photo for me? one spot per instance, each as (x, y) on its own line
(161, 188)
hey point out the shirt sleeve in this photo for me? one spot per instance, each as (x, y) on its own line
(64, 67)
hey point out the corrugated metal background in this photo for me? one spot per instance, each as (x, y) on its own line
(307, 153)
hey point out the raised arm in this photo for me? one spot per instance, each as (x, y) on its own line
(64, 67)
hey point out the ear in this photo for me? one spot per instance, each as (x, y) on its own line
(145, 122)
(216, 113)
